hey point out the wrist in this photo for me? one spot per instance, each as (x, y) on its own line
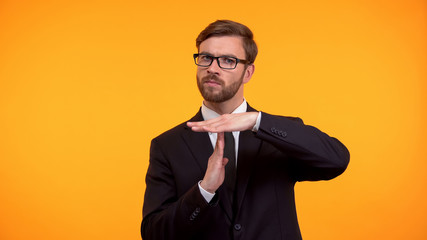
(206, 187)
(257, 122)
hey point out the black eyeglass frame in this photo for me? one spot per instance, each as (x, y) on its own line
(196, 55)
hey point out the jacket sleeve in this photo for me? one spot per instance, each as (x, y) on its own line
(312, 154)
(165, 215)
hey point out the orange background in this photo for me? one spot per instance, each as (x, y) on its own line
(85, 86)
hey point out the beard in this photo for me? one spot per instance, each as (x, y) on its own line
(226, 93)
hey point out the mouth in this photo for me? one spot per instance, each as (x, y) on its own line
(212, 81)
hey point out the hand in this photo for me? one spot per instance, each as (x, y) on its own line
(215, 173)
(226, 123)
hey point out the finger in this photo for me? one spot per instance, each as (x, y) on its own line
(210, 122)
(206, 128)
(220, 141)
(222, 124)
(219, 146)
(233, 122)
(199, 129)
(202, 123)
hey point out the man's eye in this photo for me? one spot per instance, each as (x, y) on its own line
(205, 58)
(229, 60)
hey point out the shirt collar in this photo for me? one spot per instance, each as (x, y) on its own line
(208, 113)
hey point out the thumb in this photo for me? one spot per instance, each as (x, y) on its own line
(224, 161)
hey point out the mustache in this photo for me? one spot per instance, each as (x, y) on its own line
(212, 77)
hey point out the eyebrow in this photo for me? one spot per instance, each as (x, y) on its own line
(224, 55)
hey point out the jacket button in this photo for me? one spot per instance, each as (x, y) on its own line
(237, 227)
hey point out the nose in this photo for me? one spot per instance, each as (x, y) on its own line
(214, 67)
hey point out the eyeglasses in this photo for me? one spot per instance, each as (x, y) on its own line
(224, 62)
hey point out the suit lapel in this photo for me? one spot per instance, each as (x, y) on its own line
(198, 143)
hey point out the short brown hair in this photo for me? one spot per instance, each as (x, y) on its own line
(230, 28)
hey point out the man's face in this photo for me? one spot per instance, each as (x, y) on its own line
(219, 85)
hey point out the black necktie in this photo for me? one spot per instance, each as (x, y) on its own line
(230, 168)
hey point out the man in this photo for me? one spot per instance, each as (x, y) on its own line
(229, 172)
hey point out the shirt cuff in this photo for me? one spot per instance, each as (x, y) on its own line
(258, 122)
(206, 195)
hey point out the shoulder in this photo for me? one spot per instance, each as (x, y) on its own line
(172, 134)
(272, 117)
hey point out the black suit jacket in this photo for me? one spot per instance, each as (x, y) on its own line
(270, 162)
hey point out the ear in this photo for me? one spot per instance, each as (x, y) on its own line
(248, 73)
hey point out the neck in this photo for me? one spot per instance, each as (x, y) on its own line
(224, 107)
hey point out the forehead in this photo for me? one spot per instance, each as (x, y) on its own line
(224, 45)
